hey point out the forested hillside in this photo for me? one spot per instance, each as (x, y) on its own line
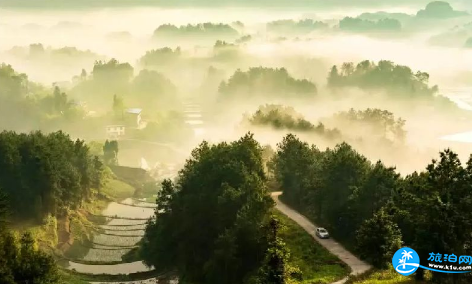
(46, 174)
(373, 210)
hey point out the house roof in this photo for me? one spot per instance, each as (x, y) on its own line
(117, 125)
(134, 110)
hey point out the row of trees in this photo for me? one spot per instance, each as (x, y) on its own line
(286, 118)
(297, 27)
(159, 57)
(379, 125)
(46, 174)
(38, 54)
(148, 90)
(213, 225)
(371, 208)
(203, 29)
(266, 83)
(25, 106)
(384, 75)
(360, 25)
(12, 84)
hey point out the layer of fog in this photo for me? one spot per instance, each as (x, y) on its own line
(126, 35)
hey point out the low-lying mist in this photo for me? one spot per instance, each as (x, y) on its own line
(189, 71)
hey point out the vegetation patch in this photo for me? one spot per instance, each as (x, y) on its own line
(117, 189)
(115, 240)
(316, 263)
(388, 276)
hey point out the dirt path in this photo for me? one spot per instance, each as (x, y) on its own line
(357, 266)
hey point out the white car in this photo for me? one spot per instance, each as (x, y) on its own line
(322, 233)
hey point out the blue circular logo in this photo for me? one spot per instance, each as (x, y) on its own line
(406, 261)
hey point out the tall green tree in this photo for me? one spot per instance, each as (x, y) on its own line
(223, 187)
(378, 238)
(110, 152)
(275, 268)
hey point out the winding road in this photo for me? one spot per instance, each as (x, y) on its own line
(357, 266)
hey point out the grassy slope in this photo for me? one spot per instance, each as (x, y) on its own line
(388, 276)
(70, 278)
(316, 263)
(117, 189)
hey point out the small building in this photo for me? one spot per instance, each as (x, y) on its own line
(133, 117)
(115, 131)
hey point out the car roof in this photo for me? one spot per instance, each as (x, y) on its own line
(321, 228)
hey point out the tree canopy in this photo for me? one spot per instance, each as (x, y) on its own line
(377, 124)
(20, 259)
(385, 75)
(199, 30)
(286, 118)
(221, 187)
(159, 57)
(297, 27)
(46, 174)
(439, 9)
(360, 25)
(266, 83)
(371, 208)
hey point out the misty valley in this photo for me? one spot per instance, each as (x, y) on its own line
(235, 142)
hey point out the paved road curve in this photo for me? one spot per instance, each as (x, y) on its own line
(357, 266)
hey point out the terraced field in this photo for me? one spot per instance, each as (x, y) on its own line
(122, 232)
(105, 254)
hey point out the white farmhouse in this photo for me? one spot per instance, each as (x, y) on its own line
(115, 131)
(133, 117)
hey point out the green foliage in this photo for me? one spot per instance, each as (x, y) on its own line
(439, 9)
(22, 262)
(198, 30)
(221, 186)
(117, 189)
(113, 80)
(159, 57)
(381, 235)
(298, 27)
(46, 174)
(169, 128)
(317, 265)
(223, 50)
(286, 118)
(442, 196)
(387, 276)
(151, 89)
(118, 107)
(384, 15)
(339, 188)
(4, 210)
(396, 80)
(112, 70)
(12, 84)
(107, 79)
(360, 25)
(275, 268)
(379, 124)
(25, 105)
(266, 83)
(110, 152)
